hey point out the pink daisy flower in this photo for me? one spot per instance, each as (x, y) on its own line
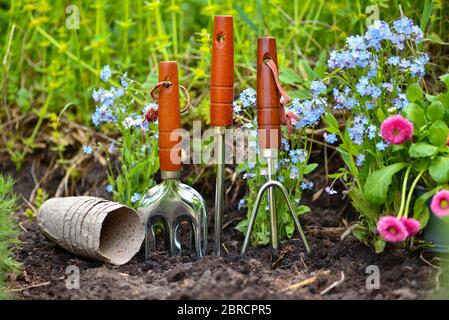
(440, 204)
(411, 225)
(396, 129)
(391, 229)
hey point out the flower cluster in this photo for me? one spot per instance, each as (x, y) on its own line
(112, 108)
(362, 51)
(366, 54)
(385, 139)
(136, 147)
(309, 112)
(375, 80)
(246, 100)
(393, 229)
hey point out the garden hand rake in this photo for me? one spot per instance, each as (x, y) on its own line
(221, 99)
(172, 202)
(269, 112)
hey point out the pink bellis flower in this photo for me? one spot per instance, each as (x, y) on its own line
(392, 229)
(396, 129)
(440, 204)
(411, 225)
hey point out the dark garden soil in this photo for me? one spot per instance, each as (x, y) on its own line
(334, 261)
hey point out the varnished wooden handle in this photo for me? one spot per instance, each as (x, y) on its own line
(222, 72)
(268, 96)
(169, 116)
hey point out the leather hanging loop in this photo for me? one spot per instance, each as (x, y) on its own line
(268, 96)
(222, 72)
(169, 117)
(274, 70)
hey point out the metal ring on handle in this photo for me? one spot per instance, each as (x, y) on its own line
(167, 84)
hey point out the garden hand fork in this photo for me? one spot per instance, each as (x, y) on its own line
(171, 201)
(221, 100)
(269, 111)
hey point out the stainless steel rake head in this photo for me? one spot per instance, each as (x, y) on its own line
(173, 203)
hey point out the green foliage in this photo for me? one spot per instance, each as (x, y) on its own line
(47, 65)
(8, 232)
(41, 196)
(378, 183)
(426, 159)
(136, 149)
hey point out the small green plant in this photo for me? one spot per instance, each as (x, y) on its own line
(41, 196)
(392, 139)
(137, 147)
(8, 232)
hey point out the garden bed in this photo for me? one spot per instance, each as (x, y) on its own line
(403, 275)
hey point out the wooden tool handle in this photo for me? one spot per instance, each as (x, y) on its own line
(222, 72)
(169, 116)
(268, 96)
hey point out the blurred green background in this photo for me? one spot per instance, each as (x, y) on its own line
(53, 50)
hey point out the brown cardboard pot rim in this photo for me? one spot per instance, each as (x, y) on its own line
(121, 234)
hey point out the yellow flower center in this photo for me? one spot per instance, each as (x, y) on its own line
(392, 230)
(444, 204)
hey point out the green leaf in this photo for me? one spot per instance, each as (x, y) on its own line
(306, 71)
(301, 94)
(321, 65)
(445, 79)
(414, 93)
(379, 245)
(378, 182)
(438, 133)
(421, 150)
(415, 114)
(331, 123)
(242, 226)
(360, 233)
(435, 38)
(439, 170)
(436, 111)
(420, 209)
(310, 168)
(289, 76)
(302, 210)
(431, 98)
(246, 18)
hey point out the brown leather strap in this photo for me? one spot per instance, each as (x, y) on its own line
(274, 70)
(286, 117)
(169, 117)
(222, 72)
(268, 96)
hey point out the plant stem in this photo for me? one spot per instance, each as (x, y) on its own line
(404, 190)
(410, 193)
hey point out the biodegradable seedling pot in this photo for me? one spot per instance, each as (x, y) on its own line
(93, 228)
